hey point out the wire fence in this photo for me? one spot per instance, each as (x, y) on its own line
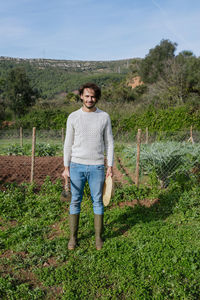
(147, 137)
(13, 136)
(23, 136)
(166, 154)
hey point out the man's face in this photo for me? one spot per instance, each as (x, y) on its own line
(89, 99)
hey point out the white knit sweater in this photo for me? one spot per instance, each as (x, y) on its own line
(88, 135)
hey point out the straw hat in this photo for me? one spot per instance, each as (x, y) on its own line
(107, 190)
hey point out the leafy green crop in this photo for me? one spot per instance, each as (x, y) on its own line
(41, 149)
(166, 159)
(46, 149)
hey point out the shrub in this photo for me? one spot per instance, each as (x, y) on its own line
(43, 119)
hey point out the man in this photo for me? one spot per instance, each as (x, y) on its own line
(88, 134)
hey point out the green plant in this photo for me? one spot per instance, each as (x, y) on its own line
(46, 149)
(41, 149)
(166, 159)
(17, 150)
(148, 253)
(131, 192)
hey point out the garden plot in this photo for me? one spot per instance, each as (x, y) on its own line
(150, 251)
(166, 160)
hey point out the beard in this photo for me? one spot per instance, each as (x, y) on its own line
(90, 106)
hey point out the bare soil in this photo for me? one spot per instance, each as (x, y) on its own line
(18, 169)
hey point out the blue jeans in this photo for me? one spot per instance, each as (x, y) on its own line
(95, 175)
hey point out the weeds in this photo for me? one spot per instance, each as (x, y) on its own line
(149, 252)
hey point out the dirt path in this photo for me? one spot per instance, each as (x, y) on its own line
(125, 170)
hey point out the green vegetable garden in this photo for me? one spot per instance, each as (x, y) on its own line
(152, 232)
(152, 225)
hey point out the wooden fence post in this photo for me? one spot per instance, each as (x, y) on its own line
(21, 136)
(33, 154)
(191, 136)
(63, 136)
(138, 158)
(147, 136)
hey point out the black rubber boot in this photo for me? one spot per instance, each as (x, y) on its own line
(73, 226)
(98, 226)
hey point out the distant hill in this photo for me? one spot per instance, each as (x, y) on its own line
(52, 76)
(113, 66)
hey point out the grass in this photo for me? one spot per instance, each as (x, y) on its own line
(148, 253)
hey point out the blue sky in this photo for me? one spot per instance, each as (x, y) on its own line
(96, 30)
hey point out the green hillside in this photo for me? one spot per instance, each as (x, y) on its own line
(166, 97)
(54, 76)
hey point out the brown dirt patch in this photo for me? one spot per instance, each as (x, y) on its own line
(51, 261)
(135, 81)
(125, 170)
(18, 169)
(7, 224)
(134, 202)
(56, 229)
(10, 253)
(118, 176)
(144, 202)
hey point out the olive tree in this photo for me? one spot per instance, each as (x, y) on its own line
(19, 94)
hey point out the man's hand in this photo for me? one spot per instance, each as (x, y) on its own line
(66, 173)
(109, 172)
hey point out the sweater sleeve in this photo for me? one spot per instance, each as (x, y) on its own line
(69, 140)
(109, 143)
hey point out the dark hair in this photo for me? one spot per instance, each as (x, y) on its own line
(93, 86)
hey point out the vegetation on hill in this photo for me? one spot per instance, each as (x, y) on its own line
(170, 79)
(55, 76)
(167, 99)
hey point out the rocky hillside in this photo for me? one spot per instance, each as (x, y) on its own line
(115, 66)
(52, 76)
